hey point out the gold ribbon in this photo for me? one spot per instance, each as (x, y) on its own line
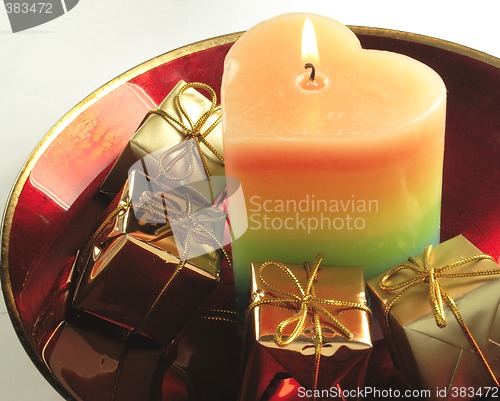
(438, 296)
(219, 315)
(303, 303)
(193, 129)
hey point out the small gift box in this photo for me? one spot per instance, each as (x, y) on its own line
(440, 314)
(96, 360)
(308, 321)
(152, 261)
(157, 144)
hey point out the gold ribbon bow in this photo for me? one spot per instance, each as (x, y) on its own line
(193, 129)
(438, 296)
(304, 303)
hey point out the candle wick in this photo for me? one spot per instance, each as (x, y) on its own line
(313, 71)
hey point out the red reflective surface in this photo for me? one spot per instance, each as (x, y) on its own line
(56, 204)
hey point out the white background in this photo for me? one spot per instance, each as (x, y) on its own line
(46, 70)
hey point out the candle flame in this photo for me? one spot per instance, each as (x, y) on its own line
(309, 43)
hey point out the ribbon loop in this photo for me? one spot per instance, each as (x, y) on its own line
(185, 153)
(438, 297)
(300, 318)
(196, 127)
(304, 304)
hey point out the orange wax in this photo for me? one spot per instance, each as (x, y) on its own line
(352, 169)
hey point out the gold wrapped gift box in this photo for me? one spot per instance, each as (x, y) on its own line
(413, 297)
(317, 331)
(134, 267)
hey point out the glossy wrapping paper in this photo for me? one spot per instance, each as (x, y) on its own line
(442, 358)
(342, 362)
(116, 366)
(130, 272)
(157, 134)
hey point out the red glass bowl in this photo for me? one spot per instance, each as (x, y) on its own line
(55, 202)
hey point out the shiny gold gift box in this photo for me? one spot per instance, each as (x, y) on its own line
(433, 357)
(342, 357)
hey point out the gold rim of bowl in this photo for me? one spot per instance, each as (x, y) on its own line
(119, 80)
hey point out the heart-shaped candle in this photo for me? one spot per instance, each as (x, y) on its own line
(344, 157)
